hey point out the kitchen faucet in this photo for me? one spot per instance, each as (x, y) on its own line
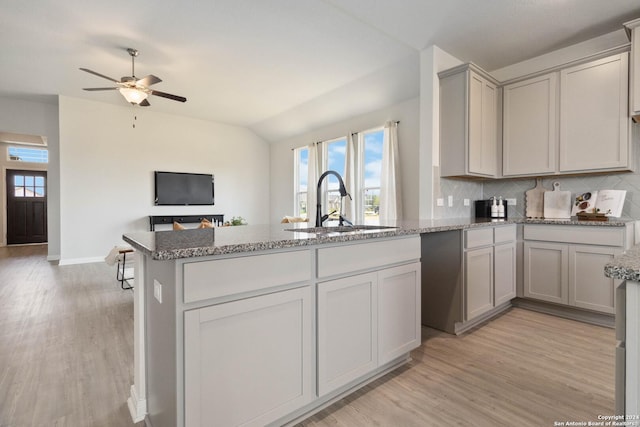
(343, 192)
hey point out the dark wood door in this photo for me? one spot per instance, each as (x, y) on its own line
(26, 206)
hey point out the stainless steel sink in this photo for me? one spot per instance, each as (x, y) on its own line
(342, 229)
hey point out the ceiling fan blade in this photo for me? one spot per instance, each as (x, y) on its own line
(149, 80)
(144, 103)
(99, 75)
(99, 88)
(169, 96)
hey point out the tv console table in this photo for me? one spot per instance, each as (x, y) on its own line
(216, 219)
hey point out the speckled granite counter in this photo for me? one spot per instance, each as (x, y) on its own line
(625, 266)
(167, 245)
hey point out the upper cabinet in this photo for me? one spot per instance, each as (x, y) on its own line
(468, 122)
(633, 30)
(572, 120)
(594, 126)
(530, 123)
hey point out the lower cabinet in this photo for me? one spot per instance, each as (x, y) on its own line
(489, 269)
(478, 267)
(504, 282)
(570, 275)
(588, 287)
(570, 270)
(546, 267)
(248, 362)
(301, 327)
(365, 321)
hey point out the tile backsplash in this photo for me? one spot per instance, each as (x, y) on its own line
(515, 188)
(512, 188)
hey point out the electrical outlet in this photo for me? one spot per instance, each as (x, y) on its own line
(439, 202)
(450, 201)
(157, 290)
(511, 202)
(466, 202)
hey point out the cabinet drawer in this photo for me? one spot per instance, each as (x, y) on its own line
(503, 234)
(363, 256)
(218, 278)
(478, 237)
(589, 235)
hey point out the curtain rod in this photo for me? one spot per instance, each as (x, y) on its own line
(397, 122)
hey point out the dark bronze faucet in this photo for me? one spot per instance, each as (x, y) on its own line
(343, 192)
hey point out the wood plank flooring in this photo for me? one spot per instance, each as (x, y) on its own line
(520, 369)
(66, 343)
(66, 359)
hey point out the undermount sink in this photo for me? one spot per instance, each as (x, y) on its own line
(342, 229)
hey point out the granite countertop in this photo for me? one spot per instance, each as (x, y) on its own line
(625, 266)
(168, 245)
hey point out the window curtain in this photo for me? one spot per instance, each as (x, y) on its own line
(350, 174)
(312, 182)
(390, 189)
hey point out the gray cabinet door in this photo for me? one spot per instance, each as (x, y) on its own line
(398, 311)
(588, 287)
(594, 123)
(545, 271)
(248, 362)
(347, 330)
(529, 139)
(483, 122)
(478, 282)
(504, 273)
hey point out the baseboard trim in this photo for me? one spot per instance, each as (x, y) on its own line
(598, 319)
(72, 261)
(462, 327)
(137, 406)
(342, 392)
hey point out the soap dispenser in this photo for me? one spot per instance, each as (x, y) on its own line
(494, 208)
(500, 208)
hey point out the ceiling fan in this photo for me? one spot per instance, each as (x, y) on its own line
(133, 89)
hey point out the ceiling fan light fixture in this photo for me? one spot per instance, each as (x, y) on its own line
(133, 95)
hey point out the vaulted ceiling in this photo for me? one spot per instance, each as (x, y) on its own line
(278, 66)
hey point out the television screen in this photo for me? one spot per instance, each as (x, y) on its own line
(175, 188)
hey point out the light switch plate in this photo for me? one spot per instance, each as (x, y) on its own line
(439, 202)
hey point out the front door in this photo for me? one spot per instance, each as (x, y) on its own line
(26, 206)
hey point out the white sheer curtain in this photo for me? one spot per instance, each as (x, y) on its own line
(350, 174)
(312, 182)
(390, 189)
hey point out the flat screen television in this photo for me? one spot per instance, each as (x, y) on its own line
(180, 189)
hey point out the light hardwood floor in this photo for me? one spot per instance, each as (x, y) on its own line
(521, 369)
(66, 359)
(66, 343)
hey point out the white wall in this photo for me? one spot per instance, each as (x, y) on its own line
(106, 171)
(406, 112)
(561, 56)
(36, 117)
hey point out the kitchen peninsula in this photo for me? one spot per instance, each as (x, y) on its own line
(258, 325)
(626, 267)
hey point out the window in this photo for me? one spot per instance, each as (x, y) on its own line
(301, 167)
(28, 186)
(367, 173)
(30, 155)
